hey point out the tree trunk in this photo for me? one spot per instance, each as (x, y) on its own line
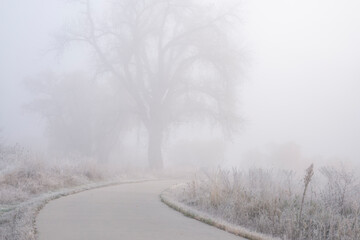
(155, 148)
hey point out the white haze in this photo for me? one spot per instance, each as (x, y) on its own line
(304, 83)
(301, 85)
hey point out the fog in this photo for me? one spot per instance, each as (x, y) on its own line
(298, 92)
(303, 83)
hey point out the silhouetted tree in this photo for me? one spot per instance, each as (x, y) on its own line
(173, 59)
(82, 116)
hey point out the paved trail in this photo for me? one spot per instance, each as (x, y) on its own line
(127, 212)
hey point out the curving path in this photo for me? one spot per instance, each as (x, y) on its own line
(128, 211)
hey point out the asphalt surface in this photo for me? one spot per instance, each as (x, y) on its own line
(127, 211)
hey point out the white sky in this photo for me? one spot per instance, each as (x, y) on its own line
(302, 85)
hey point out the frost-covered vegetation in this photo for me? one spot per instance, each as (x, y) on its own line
(325, 204)
(25, 175)
(28, 181)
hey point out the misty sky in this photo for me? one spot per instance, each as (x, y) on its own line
(302, 83)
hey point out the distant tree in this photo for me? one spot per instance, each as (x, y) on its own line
(82, 116)
(1, 140)
(173, 59)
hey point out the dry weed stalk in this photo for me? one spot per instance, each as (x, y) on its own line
(309, 174)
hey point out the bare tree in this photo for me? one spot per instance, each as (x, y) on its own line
(173, 58)
(82, 118)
